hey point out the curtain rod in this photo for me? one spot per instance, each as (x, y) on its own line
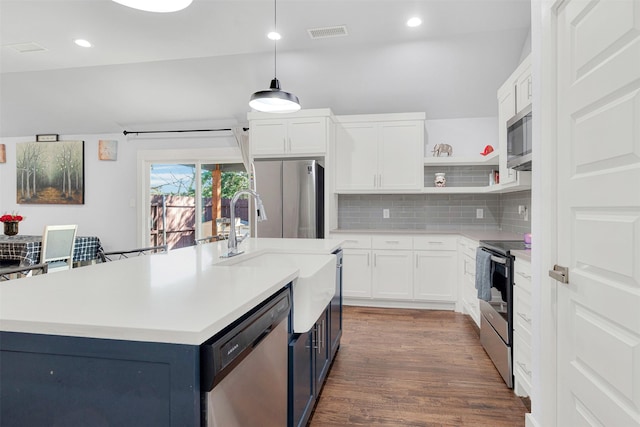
(127, 132)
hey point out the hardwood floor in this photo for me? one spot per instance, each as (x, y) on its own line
(400, 367)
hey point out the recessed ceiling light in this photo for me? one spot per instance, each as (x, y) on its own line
(156, 5)
(414, 22)
(82, 43)
(274, 36)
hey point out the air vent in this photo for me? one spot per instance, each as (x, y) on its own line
(326, 32)
(26, 47)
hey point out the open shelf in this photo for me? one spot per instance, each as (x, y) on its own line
(490, 159)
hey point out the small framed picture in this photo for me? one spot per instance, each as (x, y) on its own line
(47, 137)
(107, 149)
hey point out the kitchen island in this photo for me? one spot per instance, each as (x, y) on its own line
(118, 343)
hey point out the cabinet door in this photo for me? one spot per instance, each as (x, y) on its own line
(268, 137)
(321, 351)
(356, 156)
(307, 136)
(435, 276)
(506, 110)
(356, 273)
(392, 275)
(523, 90)
(401, 155)
(301, 397)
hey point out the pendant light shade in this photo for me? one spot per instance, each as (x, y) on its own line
(274, 100)
(156, 5)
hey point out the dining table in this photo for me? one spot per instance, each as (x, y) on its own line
(26, 249)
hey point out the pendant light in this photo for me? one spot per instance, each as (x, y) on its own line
(156, 5)
(274, 100)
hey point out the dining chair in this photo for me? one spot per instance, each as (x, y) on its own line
(57, 247)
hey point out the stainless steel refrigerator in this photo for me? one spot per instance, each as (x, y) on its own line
(292, 192)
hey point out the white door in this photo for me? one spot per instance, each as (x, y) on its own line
(307, 135)
(435, 276)
(401, 155)
(598, 143)
(356, 156)
(392, 275)
(356, 273)
(268, 137)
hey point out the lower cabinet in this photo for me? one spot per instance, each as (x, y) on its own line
(416, 271)
(522, 327)
(469, 303)
(311, 354)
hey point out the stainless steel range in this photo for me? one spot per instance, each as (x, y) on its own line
(496, 307)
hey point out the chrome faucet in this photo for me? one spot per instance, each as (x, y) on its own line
(232, 244)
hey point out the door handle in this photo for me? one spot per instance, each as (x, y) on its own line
(560, 273)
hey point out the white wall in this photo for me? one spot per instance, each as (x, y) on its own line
(467, 136)
(109, 211)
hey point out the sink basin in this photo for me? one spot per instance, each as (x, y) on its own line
(313, 289)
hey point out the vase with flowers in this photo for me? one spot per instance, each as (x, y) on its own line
(11, 222)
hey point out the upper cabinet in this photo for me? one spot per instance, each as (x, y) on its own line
(304, 133)
(513, 96)
(379, 153)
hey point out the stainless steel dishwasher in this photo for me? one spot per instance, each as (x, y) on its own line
(244, 368)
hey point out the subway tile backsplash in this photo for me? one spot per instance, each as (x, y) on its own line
(437, 212)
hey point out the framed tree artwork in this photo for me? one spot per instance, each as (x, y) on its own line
(50, 172)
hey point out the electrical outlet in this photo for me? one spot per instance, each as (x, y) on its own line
(480, 213)
(385, 213)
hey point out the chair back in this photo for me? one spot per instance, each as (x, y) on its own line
(57, 246)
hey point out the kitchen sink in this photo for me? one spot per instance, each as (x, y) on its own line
(313, 289)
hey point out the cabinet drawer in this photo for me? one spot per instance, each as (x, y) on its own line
(522, 366)
(468, 247)
(353, 241)
(522, 274)
(435, 242)
(522, 313)
(392, 242)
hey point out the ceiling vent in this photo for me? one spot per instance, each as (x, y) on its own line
(26, 47)
(326, 32)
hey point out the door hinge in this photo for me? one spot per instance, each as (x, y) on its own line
(560, 273)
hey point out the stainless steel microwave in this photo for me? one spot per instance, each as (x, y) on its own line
(519, 141)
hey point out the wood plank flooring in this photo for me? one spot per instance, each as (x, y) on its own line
(403, 367)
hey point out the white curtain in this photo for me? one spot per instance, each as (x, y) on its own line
(242, 138)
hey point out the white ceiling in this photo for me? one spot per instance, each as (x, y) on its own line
(201, 64)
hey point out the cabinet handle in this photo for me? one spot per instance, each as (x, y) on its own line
(289, 144)
(529, 88)
(375, 180)
(524, 368)
(392, 241)
(416, 255)
(524, 317)
(374, 259)
(435, 243)
(351, 241)
(380, 180)
(368, 260)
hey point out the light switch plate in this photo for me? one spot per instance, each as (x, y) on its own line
(385, 213)
(479, 213)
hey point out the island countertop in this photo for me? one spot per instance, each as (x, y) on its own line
(180, 297)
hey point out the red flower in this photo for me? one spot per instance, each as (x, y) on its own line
(11, 218)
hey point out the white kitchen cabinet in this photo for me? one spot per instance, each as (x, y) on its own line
(469, 303)
(435, 274)
(523, 86)
(356, 273)
(378, 155)
(522, 317)
(299, 134)
(392, 274)
(513, 96)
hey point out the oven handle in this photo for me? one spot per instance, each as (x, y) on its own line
(499, 260)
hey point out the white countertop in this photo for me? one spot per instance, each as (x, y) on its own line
(523, 255)
(471, 234)
(179, 297)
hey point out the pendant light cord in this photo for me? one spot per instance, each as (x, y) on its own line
(275, 41)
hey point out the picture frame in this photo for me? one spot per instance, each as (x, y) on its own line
(47, 137)
(50, 173)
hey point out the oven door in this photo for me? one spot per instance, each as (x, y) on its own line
(497, 311)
